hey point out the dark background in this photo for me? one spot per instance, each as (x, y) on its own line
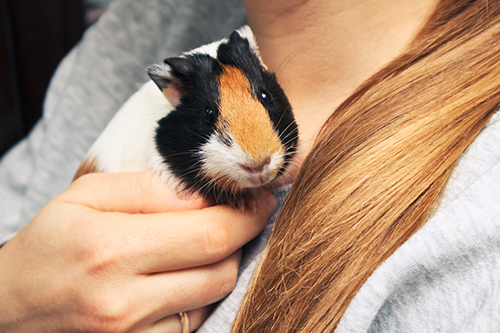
(34, 36)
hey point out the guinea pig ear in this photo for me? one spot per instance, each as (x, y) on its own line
(168, 77)
(239, 51)
(181, 67)
(235, 47)
(236, 37)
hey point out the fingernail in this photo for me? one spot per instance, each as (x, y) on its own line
(271, 203)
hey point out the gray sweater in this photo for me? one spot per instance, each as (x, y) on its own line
(446, 278)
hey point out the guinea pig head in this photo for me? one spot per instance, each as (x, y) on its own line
(231, 129)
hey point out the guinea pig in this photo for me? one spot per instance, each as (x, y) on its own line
(212, 122)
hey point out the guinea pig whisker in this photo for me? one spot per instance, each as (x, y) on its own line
(293, 133)
(289, 58)
(281, 117)
(290, 140)
(189, 173)
(209, 183)
(178, 154)
(286, 129)
(197, 134)
(226, 184)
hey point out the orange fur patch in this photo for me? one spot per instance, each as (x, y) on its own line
(87, 166)
(245, 117)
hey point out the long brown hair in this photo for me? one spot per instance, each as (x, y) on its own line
(377, 170)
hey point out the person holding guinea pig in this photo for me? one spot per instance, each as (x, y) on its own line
(392, 223)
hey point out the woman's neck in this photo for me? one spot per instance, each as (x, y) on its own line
(322, 50)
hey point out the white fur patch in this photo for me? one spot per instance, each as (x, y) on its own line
(222, 162)
(209, 49)
(127, 143)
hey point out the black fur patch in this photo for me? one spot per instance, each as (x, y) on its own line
(183, 131)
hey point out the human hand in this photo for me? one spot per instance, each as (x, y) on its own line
(121, 253)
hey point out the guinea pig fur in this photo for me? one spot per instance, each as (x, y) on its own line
(212, 122)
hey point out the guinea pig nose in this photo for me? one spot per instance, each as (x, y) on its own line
(256, 167)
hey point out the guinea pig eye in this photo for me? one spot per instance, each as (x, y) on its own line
(266, 97)
(208, 115)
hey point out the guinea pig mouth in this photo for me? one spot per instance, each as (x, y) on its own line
(257, 179)
(231, 184)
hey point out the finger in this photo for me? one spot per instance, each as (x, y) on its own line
(172, 324)
(134, 193)
(178, 240)
(173, 292)
(198, 317)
